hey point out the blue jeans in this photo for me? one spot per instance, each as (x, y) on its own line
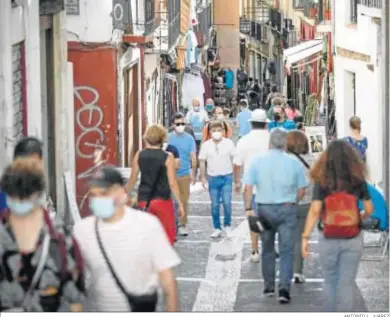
(340, 262)
(220, 190)
(283, 219)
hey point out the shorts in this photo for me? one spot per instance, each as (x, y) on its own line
(164, 210)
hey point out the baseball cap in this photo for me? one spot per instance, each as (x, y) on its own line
(259, 115)
(106, 177)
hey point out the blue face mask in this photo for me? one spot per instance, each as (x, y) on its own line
(102, 207)
(20, 207)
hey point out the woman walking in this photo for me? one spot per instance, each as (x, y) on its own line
(158, 180)
(298, 145)
(339, 184)
(355, 138)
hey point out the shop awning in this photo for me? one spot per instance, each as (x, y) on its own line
(304, 50)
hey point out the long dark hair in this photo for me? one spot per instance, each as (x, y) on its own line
(339, 168)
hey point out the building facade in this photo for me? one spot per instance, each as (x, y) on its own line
(357, 67)
(34, 81)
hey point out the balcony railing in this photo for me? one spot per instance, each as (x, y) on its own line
(173, 22)
(371, 3)
(257, 31)
(149, 16)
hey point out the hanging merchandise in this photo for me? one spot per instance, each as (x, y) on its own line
(192, 45)
(169, 98)
(229, 78)
(192, 87)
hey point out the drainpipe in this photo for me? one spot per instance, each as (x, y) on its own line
(386, 95)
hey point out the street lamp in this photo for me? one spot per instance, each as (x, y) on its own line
(245, 25)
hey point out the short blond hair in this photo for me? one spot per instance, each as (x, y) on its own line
(155, 135)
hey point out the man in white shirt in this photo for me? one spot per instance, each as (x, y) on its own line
(135, 244)
(256, 142)
(218, 152)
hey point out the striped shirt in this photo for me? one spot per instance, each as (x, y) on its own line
(138, 249)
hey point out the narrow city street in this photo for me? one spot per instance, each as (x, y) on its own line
(219, 276)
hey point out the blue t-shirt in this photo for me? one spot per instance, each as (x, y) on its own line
(172, 149)
(360, 145)
(185, 144)
(197, 124)
(277, 177)
(229, 79)
(287, 125)
(3, 201)
(243, 122)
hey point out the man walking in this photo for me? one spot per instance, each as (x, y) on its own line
(126, 250)
(279, 116)
(252, 144)
(217, 115)
(280, 182)
(197, 118)
(186, 173)
(243, 119)
(218, 153)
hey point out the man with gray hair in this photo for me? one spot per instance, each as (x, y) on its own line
(279, 180)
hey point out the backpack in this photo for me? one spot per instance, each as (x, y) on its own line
(340, 218)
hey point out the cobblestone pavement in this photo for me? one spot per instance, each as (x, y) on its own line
(219, 276)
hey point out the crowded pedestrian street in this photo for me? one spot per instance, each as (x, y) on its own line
(219, 276)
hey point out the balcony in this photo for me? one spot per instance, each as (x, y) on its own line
(377, 4)
(255, 30)
(173, 22)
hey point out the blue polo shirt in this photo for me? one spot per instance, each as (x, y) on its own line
(243, 122)
(277, 177)
(3, 201)
(185, 145)
(287, 125)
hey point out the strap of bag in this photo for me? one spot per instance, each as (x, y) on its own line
(110, 267)
(154, 188)
(302, 160)
(41, 263)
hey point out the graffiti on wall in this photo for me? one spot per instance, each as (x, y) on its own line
(90, 142)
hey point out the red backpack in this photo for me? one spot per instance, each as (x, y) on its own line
(341, 217)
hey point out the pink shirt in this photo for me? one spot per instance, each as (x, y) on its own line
(292, 114)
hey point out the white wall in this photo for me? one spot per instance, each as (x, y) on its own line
(94, 24)
(151, 98)
(17, 25)
(362, 39)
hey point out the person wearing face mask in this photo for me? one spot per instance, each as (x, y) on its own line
(279, 117)
(217, 116)
(158, 180)
(186, 173)
(196, 118)
(209, 107)
(243, 118)
(127, 251)
(218, 153)
(30, 148)
(41, 268)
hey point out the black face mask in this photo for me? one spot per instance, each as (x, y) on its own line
(277, 117)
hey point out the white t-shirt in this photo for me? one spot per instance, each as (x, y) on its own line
(201, 113)
(138, 249)
(256, 142)
(218, 156)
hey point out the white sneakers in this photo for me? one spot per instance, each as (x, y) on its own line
(217, 233)
(299, 278)
(255, 257)
(183, 231)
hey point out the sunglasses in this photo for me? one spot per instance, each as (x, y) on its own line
(179, 124)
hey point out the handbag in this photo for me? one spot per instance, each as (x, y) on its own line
(259, 224)
(26, 303)
(137, 303)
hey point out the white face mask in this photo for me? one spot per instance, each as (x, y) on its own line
(217, 135)
(197, 108)
(180, 128)
(220, 117)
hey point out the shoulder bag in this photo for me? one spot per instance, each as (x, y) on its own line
(137, 303)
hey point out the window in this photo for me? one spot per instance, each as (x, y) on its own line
(353, 11)
(149, 10)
